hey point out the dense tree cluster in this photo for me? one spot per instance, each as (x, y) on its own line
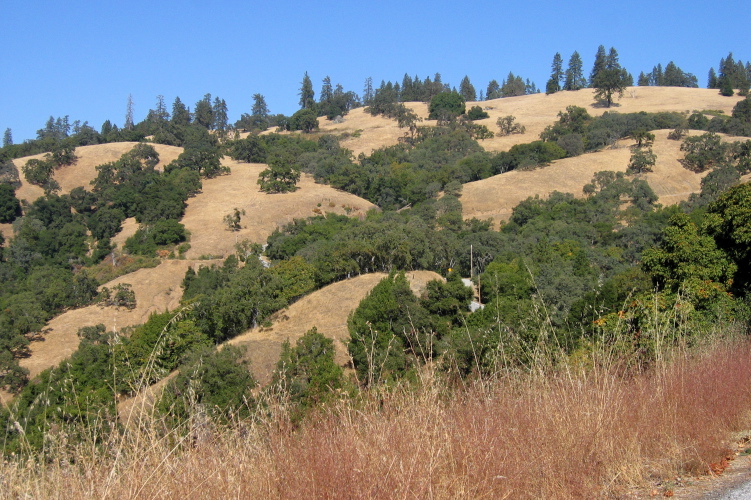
(671, 76)
(733, 75)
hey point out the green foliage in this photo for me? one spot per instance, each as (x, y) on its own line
(609, 78)
(446, 106)
(477, 113)
(161, 233)
(307, 372)
(212, 384)
(296, 277)
(121, 295)
(686, 254)
(10, 207)
(252, 149)
(390, 332)
(201, 154)
(239, 298)
(574, 77)
(467, 90)
(307, 95)
(508, 127)
(641, 161)
(304, 120)
(39, 172)
(729, 222)
(671, 76)
(703, 152)
(281, 176)
(232, 221)
(742, 110)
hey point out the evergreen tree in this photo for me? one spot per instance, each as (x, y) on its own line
(712, 79)
(327, 91)
(260, 109)
(219, 110)
(307, 95)
(599, 65)
(161, 113)
(408, 90)
(643, 80)
(180, 113)
(574, 73)
(556, 75)
(367, 92)
(513, 86)
(7, 138)
(129, 113)
(204, 114)
(610, 79)
(494, 90)
(467, 90)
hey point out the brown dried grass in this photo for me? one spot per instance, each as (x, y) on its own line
(564, 435)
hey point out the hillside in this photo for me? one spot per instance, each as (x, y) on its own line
(326, 309)
(159, 289)
(535, 112)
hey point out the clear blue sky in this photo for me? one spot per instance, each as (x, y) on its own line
(82, 59)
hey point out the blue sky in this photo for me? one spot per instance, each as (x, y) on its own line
(83, 59)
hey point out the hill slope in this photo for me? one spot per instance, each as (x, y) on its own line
(158, 289)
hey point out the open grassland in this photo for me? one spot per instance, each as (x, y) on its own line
(555, 433)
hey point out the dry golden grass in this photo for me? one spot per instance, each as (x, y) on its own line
(157, 290)
(564, 434)
(535, 112)
(327, 309)
(83, 171)
(264, 212)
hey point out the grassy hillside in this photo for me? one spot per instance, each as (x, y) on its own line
(492, 198)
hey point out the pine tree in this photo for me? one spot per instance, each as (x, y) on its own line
(180, 113)
(556, 75)
(467, 90)
(307, 95)
(494, 90)
(129, 113)
(712, 79)
(599, 65)
(574, 73)
(327, 91)
(7, 138)
(610, 79)
(204, 114)
(367, 92)
(260, 108)
(219, 112)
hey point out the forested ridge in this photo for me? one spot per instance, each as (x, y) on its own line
(573, 270)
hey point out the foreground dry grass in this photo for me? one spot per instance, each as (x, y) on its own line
(563, 435)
